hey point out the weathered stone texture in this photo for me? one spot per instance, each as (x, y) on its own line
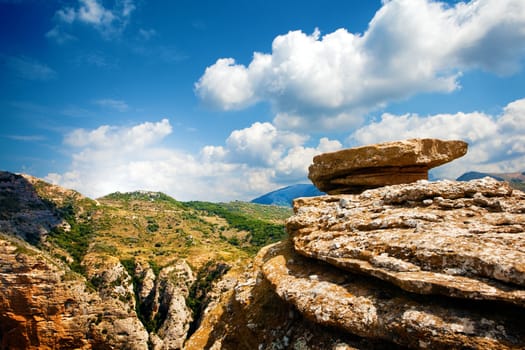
(171, 291)
(455, 249)
(372, 309)
(462, 239)
(357, 169)
(44, 306)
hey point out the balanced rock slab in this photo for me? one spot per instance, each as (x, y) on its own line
(459, 239)
(357, 169)
(372, 309)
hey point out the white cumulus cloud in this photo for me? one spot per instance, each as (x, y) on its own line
(251, 161)
(110, 22)
(496, 143)
(411, 46)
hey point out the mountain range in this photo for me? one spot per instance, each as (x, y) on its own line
(284, 196)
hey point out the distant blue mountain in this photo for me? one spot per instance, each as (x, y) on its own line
(284, 196)
(471, 175)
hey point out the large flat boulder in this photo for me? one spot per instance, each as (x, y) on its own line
(357, 169)
(459, 239)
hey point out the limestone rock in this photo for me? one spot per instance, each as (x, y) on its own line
(146, 276)
(372, 309)
(460, 239)
(110, 278)
(45, 306)
(356, 169)
(171, 291)
(252, 316)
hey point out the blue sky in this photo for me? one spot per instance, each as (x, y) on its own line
(224, 100)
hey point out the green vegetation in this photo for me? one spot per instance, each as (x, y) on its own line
(75, 240)
(197, 299)
(261, 232)
(142, 196)
(153, 226)
(271, 213)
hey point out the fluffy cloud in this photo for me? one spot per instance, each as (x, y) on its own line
(109, 22)
(410, 46)
(252, 161)
(496, 143)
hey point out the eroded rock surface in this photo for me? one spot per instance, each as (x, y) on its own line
(461, 239)
(45, 306)
(171, 291)
(253, 316)
(357, 169)
(371, 309)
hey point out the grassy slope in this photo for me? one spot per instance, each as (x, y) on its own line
(159, 229)
(154, 227)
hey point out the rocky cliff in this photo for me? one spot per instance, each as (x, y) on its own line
(424, 265)
(46, 306)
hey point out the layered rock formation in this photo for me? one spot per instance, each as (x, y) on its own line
(371, 309)
(45, 306)
(443, 242)
(357, 169)
(168, 299)
(460, 239)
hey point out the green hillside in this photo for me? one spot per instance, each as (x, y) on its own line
(157, 228)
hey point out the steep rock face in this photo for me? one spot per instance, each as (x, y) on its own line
(144, 273)
(45, 306)
(110, 278)
(462, 239)
(22, 211)
(162, 302)
(171, 291)
(356, 169)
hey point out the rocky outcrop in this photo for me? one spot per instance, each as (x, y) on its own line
(110, 278)
(460, 239)
(169, 306)
(162, 302)
(251, 315)
(357, 169)
(371, 309)
(43, 305)
(423, 265)
(418, 265)
(454, 249)
(22, 211)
